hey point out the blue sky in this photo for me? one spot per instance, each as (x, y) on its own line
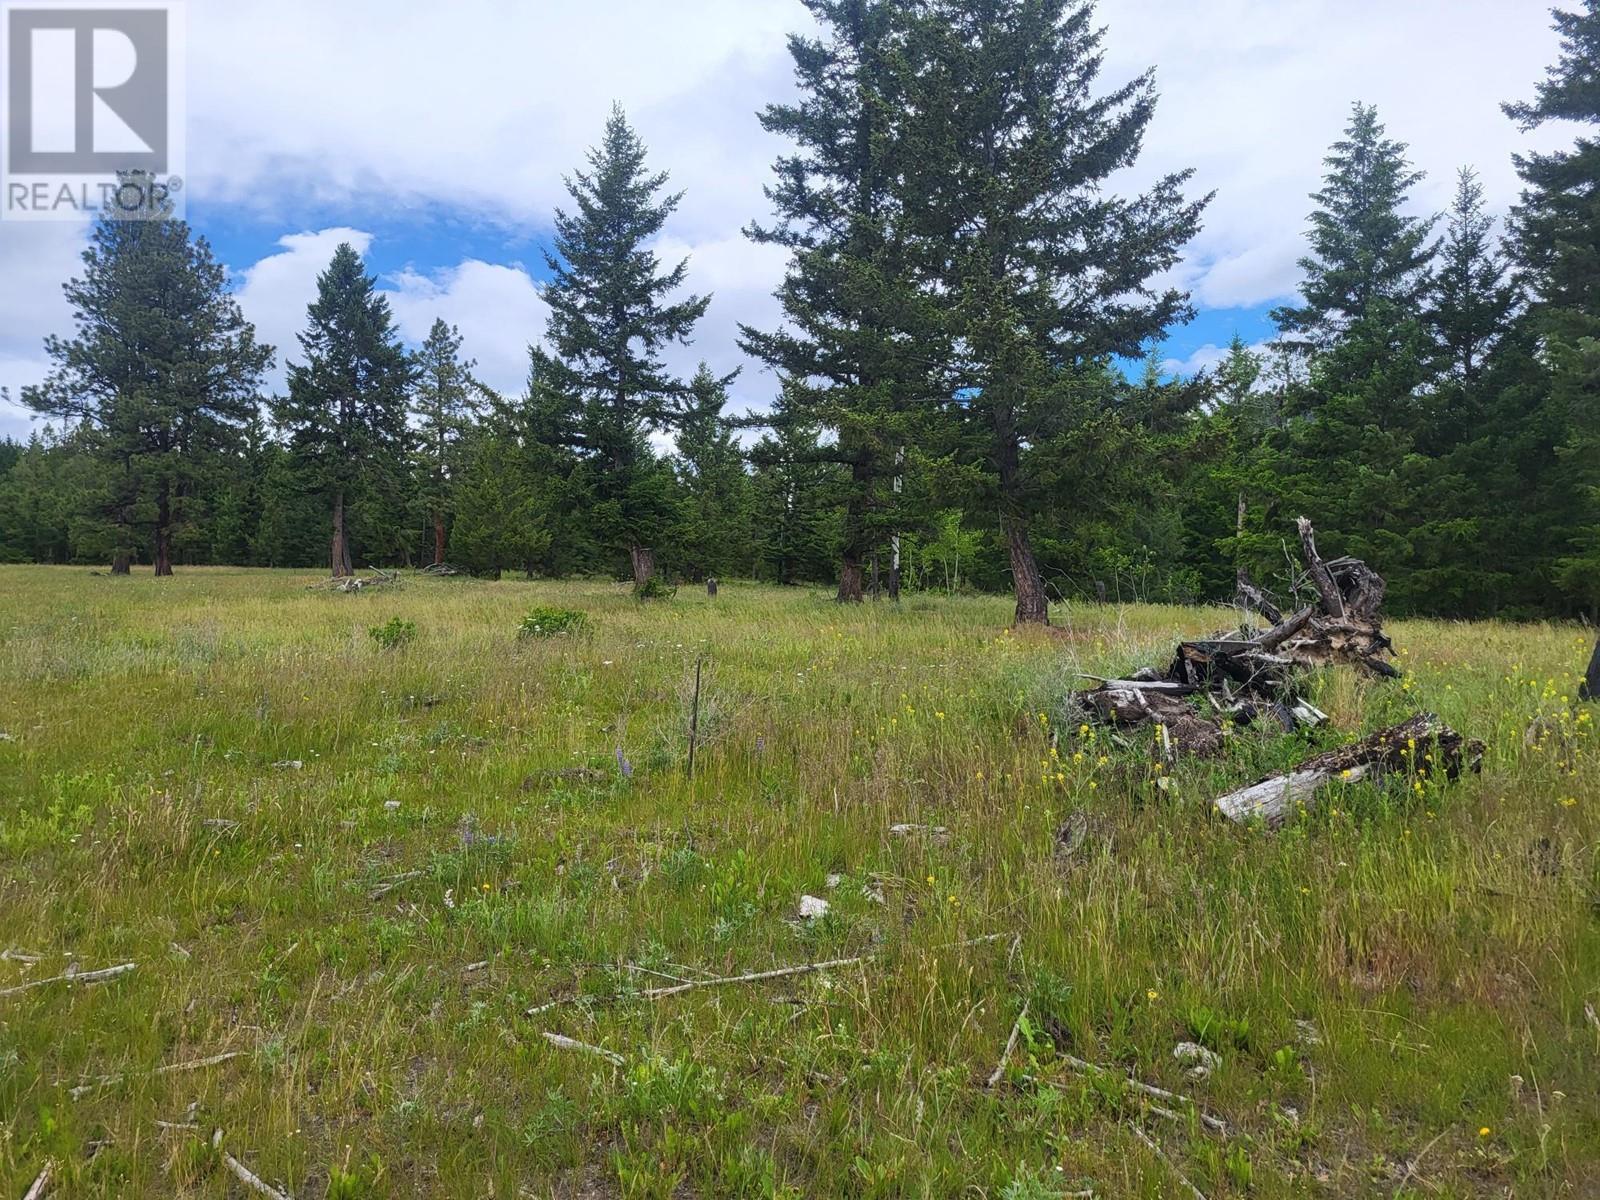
(435, 137)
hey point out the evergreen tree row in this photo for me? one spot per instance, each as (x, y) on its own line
(952, 399)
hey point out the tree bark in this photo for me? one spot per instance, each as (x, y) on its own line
(122, 563)
(850, 581)
(163, 533)
(438, 539)
(339, 547)
(644, 565)
(1032, 606)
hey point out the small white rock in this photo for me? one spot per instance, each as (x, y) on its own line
(289, 764)
(391, 805)
(812, 907)
(1201, 1061)
(833, 881)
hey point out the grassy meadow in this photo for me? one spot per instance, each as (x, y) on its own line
(356, 868)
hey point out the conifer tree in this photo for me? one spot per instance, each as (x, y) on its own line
(1040, 267)
(1366, 251)
(160, 377)
(610, 317)
(445, 404)
(1557, 241)
(1362, 330)
(345, 415)
(855, 350)
(1473, 296)
(714, 514)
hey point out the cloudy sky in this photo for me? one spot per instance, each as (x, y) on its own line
(434, 137)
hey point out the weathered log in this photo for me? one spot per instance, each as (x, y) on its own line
(1403, 747)
(1250, 596)
(1132, 706)
(1321, 577)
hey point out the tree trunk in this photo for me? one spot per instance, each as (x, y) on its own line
(894, 561)
(849, 581)
(1032, 606)
(339, 547)
(163, 533)
(438, 539)
(644, 565)
(122, 563)
(877, 589)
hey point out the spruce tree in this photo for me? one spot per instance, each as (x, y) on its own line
(160, 377)
(1556, 230)
(345, 415)
(1473, 297)
(1040, 268)
(856, 346)
(714, 513)
(1369, 354)
(445, 404)
(1366, 251)
(610, 317)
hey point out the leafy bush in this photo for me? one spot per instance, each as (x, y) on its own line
(654, 588)
(545, 622)
(393, 633)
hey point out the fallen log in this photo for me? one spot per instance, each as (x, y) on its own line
(1406, 747)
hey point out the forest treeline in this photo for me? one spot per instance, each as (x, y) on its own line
(954, 403)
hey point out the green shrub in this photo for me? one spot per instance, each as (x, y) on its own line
(654, 588)
(393, 633)
(552, 622)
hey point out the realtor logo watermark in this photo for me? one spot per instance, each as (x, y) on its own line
(91, 109)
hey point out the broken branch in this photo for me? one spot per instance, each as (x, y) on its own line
(70, 977)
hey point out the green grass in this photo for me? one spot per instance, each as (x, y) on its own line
(528, 798)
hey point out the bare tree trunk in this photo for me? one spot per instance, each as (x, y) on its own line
(1032, 606)
(438, 539)
(877, 589)
(339, 547)
(850, 581)
(163, 533)
(644, 565)
(122, 563)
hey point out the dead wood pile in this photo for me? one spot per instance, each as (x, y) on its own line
(1257, 674)
(356, 583)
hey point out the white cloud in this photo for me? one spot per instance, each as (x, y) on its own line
(1203, 358)
(1254, 91)
(36, 258)
(498, 310)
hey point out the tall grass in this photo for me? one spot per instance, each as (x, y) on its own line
(211, 775)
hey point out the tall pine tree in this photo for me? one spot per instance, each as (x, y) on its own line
(1557, 239)
(1041, 268)
(445, 404)
(160, 377)
(855, 351)
(610, 317)
(1361, 328)
(345, 415)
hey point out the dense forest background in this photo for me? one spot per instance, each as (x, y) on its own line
(960, 400)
